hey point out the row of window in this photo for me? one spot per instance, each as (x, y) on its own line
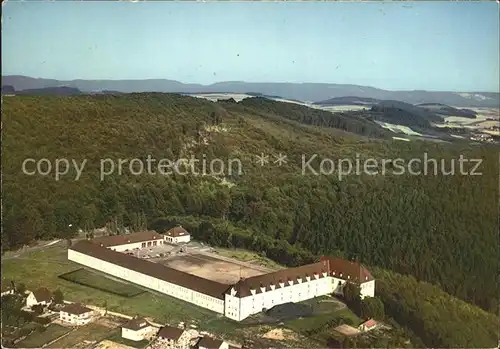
(151, 243)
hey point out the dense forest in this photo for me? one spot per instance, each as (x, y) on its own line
(433, 318)
(349, 121)
(438, 228)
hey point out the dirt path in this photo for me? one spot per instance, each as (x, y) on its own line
(40, 245)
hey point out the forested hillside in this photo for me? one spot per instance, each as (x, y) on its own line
(438, 228)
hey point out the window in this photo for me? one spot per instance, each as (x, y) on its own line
(143, 244)
(154, 243)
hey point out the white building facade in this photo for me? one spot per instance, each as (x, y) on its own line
(246, 297)
(76, 314)
(138, 330)
(41, 296)
(177, 235)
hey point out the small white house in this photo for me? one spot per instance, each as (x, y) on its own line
(76, 314)
(177, 235)
(138, 329)
(212, 343)
(368, 325)
(41, 296)
(7, 287)
(173, 338)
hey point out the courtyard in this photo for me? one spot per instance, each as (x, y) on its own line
(211, 267)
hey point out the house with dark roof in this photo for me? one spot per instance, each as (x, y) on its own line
(177, 235)
(41, 296)
(130, 242)
(173, 338)
(138, 329)
(76, 314)
(212, 343)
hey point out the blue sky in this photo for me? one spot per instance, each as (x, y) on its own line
(411, 45)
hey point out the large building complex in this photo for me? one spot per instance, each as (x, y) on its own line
(237, 301)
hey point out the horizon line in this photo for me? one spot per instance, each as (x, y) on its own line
(246, 82)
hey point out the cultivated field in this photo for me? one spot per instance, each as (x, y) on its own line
(212, 268)
(398, 128)
(38, 339)
(83, 335)
(486, 118)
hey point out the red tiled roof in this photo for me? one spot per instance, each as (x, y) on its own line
(370, 323)
(177, 231)
(285, 276)
(348, 270)
(116, 240)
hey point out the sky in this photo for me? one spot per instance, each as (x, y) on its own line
(439, 46)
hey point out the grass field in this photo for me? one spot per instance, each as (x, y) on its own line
(37, 339)
(90, 279)
(320, 324)
(90, 332)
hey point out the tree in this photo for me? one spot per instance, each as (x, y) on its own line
(21, 288)
(37, 309)
(11, 310)
(372, 308)
(351, 293)
(58, 297)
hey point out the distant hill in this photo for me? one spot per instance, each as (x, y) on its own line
(401, 113)
(110, 92)
(50, 91)
(444, 109)
(307, 92)
(8, 90)
(348, 100)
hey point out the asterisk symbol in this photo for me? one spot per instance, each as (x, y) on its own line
(281, 159)
(262, 159)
